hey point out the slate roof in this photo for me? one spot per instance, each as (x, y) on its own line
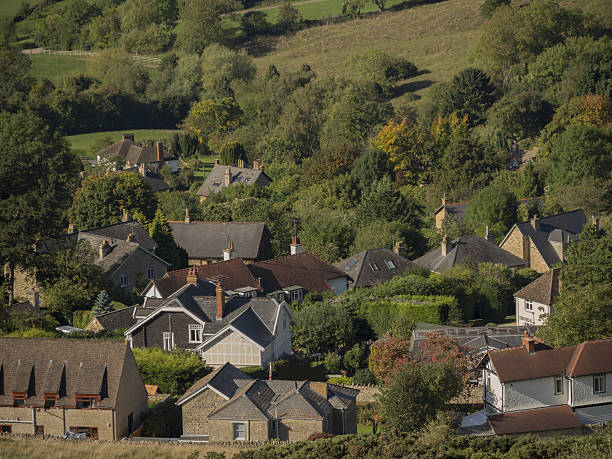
(209, 239)
(303, 270)
(64, 366)
(465, 248)
(233, 274)
(122, 230)
(215, 181)
(457, 210)
(154, 180)
(518, 364)
(544, 289)
(538, 420)
(122, 318)
(557, 228)
(474, 337)
(263, 400)
(133, 152)
(370, 267)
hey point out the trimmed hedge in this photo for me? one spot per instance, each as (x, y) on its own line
(433, 309)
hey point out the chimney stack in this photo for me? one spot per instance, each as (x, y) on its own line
(71, 228)
(187, 218)
(295, 246)
(444, 200)
(124, 215)
(257, 164)
(128, 137)
(241, 163)
(192, 275)
(228, 254)
(259, 284)
(220, 301)
(142, 170)
(216, 161)
(104, 249)
(595, 221)
(131, 237)
(399, 249)
(320, 388)
(160, 155)
(528, 342)
(534, 223)
(228, 176)
(489, 236)
(446, 246)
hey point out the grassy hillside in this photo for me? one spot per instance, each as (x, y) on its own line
(55, 68)
(83, 143)
(436, 37)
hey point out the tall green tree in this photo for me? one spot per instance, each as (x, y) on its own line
(38, 175)
(495, 207)
(168, 250)
(471, 93)
(202, 22)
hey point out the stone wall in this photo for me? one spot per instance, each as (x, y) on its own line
(139, 262)
(298, 429)
(367, 394)
(132, 398)
(196, 410)
(223, 430)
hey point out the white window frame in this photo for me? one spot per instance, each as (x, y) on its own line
(168, 337)
(149, 271)
(235, 431)
(296, 294)
(390, 264)
(558, 385)
(528, 305)
(198, 333)
(601, 384)
(124, 280)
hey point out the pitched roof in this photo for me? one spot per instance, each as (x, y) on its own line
(544, 289)
(227, 380)
(538, 420)
(373, 267)
(122, 318)
(154, 180)
(518, 364)
(233, 274)
(133, 152)
(303, 269)
(474, 248)
(209, 239)
(557, 228)
(215, 181)
(457, 209)
(122, 230)
(65, 366)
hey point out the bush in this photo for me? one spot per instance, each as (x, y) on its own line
(332, 362)
(174, 372)
(32, 333)
(80, 319)
(340, 380)
(364, 377)
(165, 421)
(319, 435)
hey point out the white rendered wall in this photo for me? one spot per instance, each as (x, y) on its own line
(537, 316)
(534, 393)
(233, 348)
(583, 390)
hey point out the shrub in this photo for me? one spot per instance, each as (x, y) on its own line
(319, 435)
(340, 380)
(364, 377)
(332, 362)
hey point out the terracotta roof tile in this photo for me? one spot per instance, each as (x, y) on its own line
(538, 420)
(591, 357)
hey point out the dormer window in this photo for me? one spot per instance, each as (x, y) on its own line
(50, 400)
(373, 266)
(19, 398)
(390, 264)
(87, 401)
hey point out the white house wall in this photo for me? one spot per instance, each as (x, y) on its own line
(537, 316)
(583, 391)
(233, 348)
(282, 343)
(534, 393)
(493, 389)
(338, 285)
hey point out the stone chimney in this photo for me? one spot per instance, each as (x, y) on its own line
(160, 153)
(187, 218)
(125, 216)
(220, 301)
(443, 200)
(228, 254)
(128, 137)
(534, 223)
(295, 246)
(259, 284)
(216, 161)
(104, 249)
(142, 170)
(489, 236)
(595, 221)
(241, 163)
(228, 176)
(71, 228)
(131, 237)
(257, 164)
(399, 249)
(192, 275)
(320, 388)
(446, 246)
(528, 342)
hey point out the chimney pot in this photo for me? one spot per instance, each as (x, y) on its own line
(241, 163)
(528, 342)
(104, 249)
(296, 246)
(187, 218)
(192, 275)
(220, 301)
(128, 137)
(228, 254)
(124, 215)
(228, 176)
(534, 222)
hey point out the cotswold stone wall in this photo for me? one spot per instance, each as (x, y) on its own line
(367, 394)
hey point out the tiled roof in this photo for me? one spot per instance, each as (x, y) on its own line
(121, 231)
(457, 210)
(154, 180)
(538, 420)
(209, 239)
(134, 153)
(303, 269)
(67, 366)
(215, 181)
(518, 364)
(372, 267)
(474, 248)
(544, 289)
(226, 379)
(122, 318)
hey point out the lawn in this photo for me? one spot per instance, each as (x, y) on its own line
(55, 68)
(364, 429)
(436, 37)
(82, 144)
(208, 163)
(8, 8)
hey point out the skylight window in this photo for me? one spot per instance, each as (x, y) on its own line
(390, 264)
(351, 264)
(373, 266)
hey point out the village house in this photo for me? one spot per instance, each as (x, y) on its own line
(375, 266)
(467, 249)
(536, 388)
(52, 386)
(220, 328)
(221, 177)
(124, 251)
(542, 242)
(153, 179)
(534, 301)
(229, 405)
(209, 242)
(136, 155)
(118, 319)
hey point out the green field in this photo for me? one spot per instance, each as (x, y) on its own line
(8, 8)
(55, 68)
(82, 144)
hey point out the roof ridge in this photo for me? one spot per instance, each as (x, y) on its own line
(212, 221)
(551, 216)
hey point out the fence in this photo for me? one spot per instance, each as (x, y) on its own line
(56, 52)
